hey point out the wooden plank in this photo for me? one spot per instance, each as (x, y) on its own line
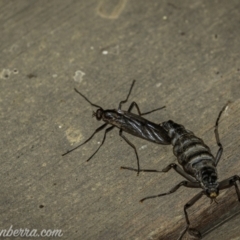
(184, 55)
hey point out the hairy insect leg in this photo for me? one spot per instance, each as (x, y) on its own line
(188, 205)
(124, 101)
(95, 105)
(232, 181)
(134, 104)
(104, 137)
(174, 189)
(96, 131)
(220, 150)
(128, 142)
(170, 166)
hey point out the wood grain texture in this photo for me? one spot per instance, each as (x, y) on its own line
(183, 54)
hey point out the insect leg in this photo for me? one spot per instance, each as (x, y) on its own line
(96, 131)
(220, 150)
(188, 205)
(172, 165)
(104, 137)
(140, 170)
(229, 183)
(134, 104)
(179, 171)
(124, 101)
(121, 135)
(174, 189)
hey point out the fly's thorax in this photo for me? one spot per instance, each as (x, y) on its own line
(112, 117)
(207, 176)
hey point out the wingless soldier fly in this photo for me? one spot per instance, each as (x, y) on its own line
(199, 166)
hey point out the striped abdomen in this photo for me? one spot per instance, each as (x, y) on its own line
(188, 148)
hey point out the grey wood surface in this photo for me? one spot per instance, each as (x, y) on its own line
(183, 54)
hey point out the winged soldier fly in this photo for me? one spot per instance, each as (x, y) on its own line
(128, 122)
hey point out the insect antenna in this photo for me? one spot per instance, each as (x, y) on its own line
(94, 105)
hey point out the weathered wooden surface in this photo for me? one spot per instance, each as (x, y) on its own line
(183, 54)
